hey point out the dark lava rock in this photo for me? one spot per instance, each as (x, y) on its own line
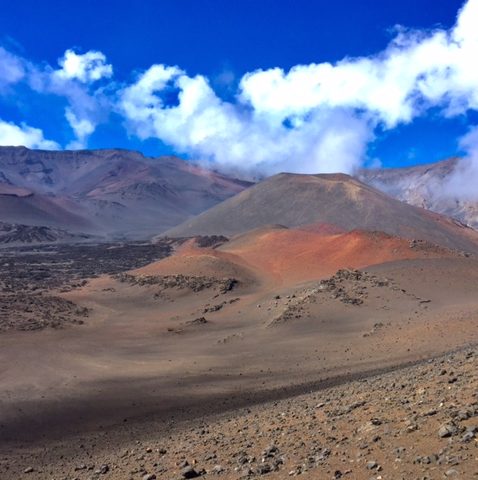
(189, 472)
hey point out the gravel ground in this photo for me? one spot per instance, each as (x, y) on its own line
(419, 422)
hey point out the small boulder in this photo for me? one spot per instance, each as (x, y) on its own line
(447, 430)
(189, 472)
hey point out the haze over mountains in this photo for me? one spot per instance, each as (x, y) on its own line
(115, 192)
(427, 186)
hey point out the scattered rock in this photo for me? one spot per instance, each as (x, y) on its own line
(447, 430)
(372, 465)
(149, 476)
(189, 472)
(197, 321)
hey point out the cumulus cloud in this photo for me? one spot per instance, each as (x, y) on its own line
(316, 117)
(76, 81)
(415, 72)
(227, 134)
(312, 118)
(24, 135)
(87, 67)
(80, 80)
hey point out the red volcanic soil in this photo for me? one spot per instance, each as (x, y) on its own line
(322, 228)
(192, 260)
(290, 256)
(297, 255)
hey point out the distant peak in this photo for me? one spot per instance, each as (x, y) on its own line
(330, 177)
(340, 177)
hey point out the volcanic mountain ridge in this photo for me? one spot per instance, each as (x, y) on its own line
(294, 200)
(109, 192)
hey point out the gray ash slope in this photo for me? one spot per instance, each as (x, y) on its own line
(116, 192)
(294, 200)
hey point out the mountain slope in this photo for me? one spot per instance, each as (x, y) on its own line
(106, 191)
(21, 234)
(424, 186)
(18, 205)
(293, 200)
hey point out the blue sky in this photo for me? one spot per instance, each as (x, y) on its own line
(217, 46)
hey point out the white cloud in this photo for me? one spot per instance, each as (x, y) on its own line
(316, 117)
(87, 67)
(77, 81)
(415, 72)
(82, 127)
(11, 68)
(312, 118)
(88, 105)
(463, 184)
(24, 135)
(213, 130)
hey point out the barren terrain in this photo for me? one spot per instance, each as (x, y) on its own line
(109, 193)
(152, 377)
(415, 422)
